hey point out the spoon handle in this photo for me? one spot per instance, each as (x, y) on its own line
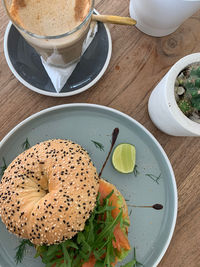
(114, 19)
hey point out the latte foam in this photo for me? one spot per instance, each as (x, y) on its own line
(49, 17)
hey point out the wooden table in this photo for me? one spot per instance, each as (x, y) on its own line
(138, 63)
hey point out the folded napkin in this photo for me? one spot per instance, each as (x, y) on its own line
(60, 75)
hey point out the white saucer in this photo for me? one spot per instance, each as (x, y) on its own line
(26, 65)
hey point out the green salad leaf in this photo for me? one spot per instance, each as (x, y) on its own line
(133, 262)
(95, 240)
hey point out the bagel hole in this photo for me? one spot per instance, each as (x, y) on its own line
(46, 188)
(46, 191)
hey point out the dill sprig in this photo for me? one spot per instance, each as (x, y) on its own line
(154, 177)
(98, 145)
(21, 250)
(130, 212)
(133, 262)
(4, 167)
(26, 145)
(135, 171)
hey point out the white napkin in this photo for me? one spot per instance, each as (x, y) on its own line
(60, 75)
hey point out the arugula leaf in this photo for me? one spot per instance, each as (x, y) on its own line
(108, 196)
(70, 243)
(52, 250)
(109, 228)
(110, 257)
(130, 264)
(134, 262)
(58, 262)
(99, 264)
(77, 262)
(80, 237)
(104, 209)
(40, 250)
(67, 259)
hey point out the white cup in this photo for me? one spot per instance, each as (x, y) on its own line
(161, 17)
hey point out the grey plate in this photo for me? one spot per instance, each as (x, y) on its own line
(26, 65)
(150, 230)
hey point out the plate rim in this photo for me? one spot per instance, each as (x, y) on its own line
(55, 94)
(115, 111)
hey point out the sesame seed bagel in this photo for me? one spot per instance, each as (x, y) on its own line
(48, 192)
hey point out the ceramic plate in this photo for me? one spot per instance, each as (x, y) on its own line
(151, 230)
(26, 65)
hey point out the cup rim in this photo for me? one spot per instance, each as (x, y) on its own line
(52, 36)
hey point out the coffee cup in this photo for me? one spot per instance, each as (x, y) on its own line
(55, 29)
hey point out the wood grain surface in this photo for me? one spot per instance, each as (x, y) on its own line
(138, 62)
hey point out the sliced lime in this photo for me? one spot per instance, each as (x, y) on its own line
(123, 158)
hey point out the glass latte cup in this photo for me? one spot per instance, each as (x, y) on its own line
(55, 29)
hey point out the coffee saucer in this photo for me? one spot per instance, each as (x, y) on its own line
(26, 65)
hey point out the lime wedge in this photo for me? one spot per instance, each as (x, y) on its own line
(123, 158)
